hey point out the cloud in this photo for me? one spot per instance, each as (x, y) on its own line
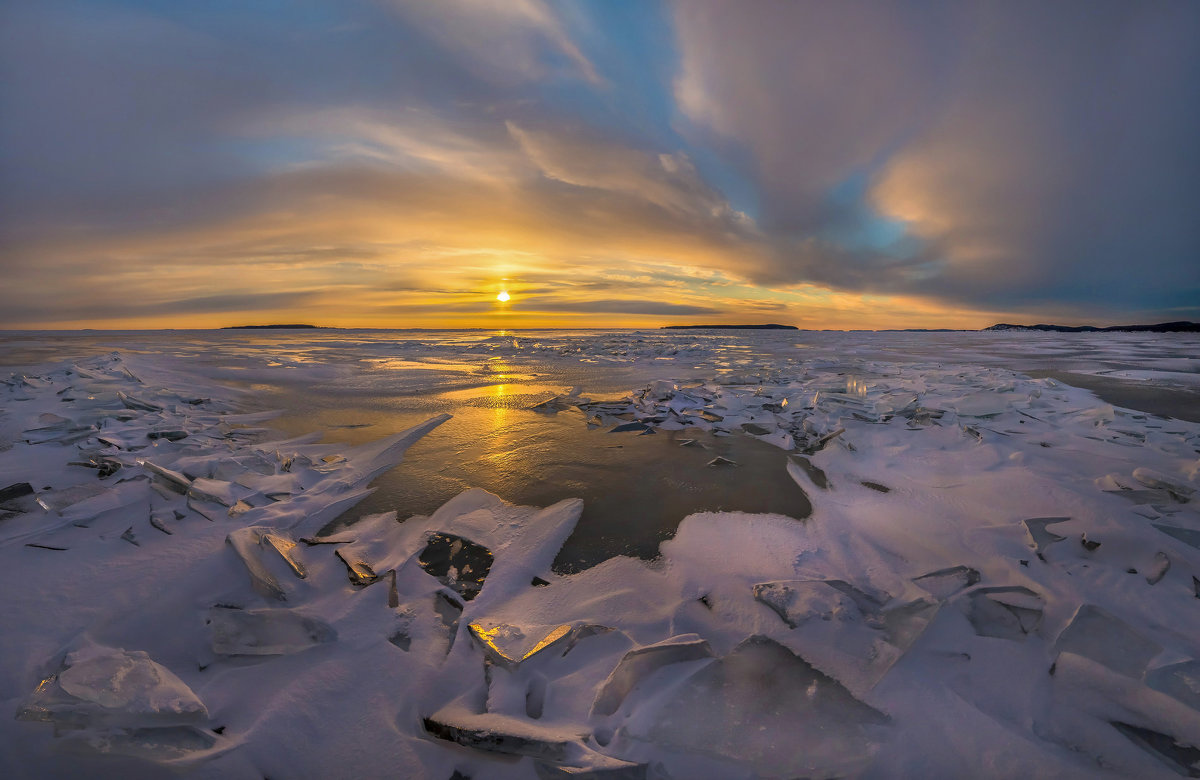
(1032, 153)
(505, 40)
(615, 306)
(380, 162)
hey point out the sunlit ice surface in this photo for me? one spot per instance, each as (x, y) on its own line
(908, 530)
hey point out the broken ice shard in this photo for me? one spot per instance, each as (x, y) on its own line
(248, 543)
(1094, 633)
(944, 583)
(215, 490)
(58, 500)
(1180, 681)
(1043, 538)
(509, 645)
(457, 563)
(15, 490)
(1184, 759)
(265, 631)
(167, 744)
(360, 572)
(1154, 479)
(797, 601)
(108, 687)
(632, 426)
(639, 663)
(171, 434)
(1005, 613)
(764, 706)
(132, 402)
(1188, 536)
(166, 477)
(497, 733)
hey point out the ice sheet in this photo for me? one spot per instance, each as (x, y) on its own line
(997, 577)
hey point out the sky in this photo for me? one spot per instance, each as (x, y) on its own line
(617, 163)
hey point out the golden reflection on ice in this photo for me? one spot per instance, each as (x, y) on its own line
(488, 637)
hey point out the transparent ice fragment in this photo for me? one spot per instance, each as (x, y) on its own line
(1011, 612)
(1095, 634)
(58, 500)
(509, 645)
(360, 572)
(1157, 480)
(249, 544)
(172, 479)
(1043, 538)
(265, 631)
(168, 744)
(639, 663)
(1188, 536)
(107, 687)
(797, 601)
(944, 583)
(1182, 758)
(770, 709)
(138, 404)
(1180, 681)
(497, 733)
(214, 490)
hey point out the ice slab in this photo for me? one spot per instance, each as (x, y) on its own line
(496, 733)
(109, 687)
(173, 746)
(639, 663)
(1156, 479)
(1096, 634)
(1010, 612)
(1181, 681)
(765, 707)
(1182, 758)
(1043, 538)
(1188, 536)
(360, 572)
(797, 601)
(265, 631)
(509, 645)
(16, 490)
(251, 545)
(944, 583)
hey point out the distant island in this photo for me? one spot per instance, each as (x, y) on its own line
(1162, 327)
(267, 327)
(730, 327)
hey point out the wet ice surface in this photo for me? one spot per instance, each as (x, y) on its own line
(874, 555)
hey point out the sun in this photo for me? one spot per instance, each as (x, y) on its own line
(503, 296)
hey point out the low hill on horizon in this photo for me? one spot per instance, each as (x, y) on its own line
(771, 326)
(1162, 327)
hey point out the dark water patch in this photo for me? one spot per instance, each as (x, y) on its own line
(1143, 396)
(635, 489)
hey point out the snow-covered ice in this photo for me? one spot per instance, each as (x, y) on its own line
(993, 574)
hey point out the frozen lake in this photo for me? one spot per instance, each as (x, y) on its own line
(358, 385)
(903, 523)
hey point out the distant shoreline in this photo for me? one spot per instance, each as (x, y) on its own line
(271, 327)
(771, 326)
(1162, 327)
